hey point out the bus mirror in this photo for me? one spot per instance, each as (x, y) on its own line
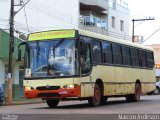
(19, 50)
(19, 55)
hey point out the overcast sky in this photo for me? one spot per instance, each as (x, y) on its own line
(139, 9)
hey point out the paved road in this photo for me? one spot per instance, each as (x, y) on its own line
(147, 105)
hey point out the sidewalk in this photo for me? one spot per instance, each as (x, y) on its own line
(22, 101)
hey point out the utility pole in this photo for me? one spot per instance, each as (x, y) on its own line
(11, 49)
(138, 20)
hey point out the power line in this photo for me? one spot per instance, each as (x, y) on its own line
(58, 12)
(50, 14)
(150, 35)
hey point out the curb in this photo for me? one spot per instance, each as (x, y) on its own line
(23, 102)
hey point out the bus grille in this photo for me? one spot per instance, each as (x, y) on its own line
(48, 95)
(48, 88)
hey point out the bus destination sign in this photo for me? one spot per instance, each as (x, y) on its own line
(51, 35)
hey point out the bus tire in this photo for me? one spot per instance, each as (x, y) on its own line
(96, 99)
(137, 94)
(52, 103)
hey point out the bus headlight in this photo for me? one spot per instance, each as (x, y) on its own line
(28, 88)
(70, 86)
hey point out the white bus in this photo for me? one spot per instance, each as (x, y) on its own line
(77, 64)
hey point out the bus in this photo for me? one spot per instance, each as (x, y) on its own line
(82, 65)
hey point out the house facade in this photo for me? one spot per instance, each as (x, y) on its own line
(17, 68)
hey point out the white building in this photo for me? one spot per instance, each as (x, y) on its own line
(109, 17)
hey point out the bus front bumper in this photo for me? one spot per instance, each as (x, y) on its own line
(61, 93)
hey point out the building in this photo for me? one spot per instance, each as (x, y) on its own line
(138, 39)
(109, 17)
(16, 68)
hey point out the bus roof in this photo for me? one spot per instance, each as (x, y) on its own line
(51, 34)
(112, 39)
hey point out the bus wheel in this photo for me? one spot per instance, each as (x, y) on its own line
(136, 96)
(96, 99)
(52, 103)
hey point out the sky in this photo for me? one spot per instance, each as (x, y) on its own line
(139, 9)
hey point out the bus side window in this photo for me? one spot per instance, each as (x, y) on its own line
(97, 53)
(85, 60)
(134, 57)
(150, 59)
(107, 52)
(126, 56)
(142, 58)
(117, 54)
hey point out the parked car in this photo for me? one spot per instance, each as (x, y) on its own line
(1, 94)
(157, 90)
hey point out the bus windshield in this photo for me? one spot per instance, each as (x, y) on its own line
(51, 58)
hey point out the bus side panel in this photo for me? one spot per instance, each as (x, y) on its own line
(109, 79)
(144, 80)
(107, 75)
(119, 73)
(87, 87)
(151, 80)
(128, 76)
(136, 74)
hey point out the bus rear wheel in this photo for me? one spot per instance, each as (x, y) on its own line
(52, 103)
(96, 99)
(136, 96)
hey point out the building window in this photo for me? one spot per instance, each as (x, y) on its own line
(121, 25)
(112, 4)
(113, 22)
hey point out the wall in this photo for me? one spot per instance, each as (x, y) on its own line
(4, 46)
(4, 54)
(2, 72)
(120, 13)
